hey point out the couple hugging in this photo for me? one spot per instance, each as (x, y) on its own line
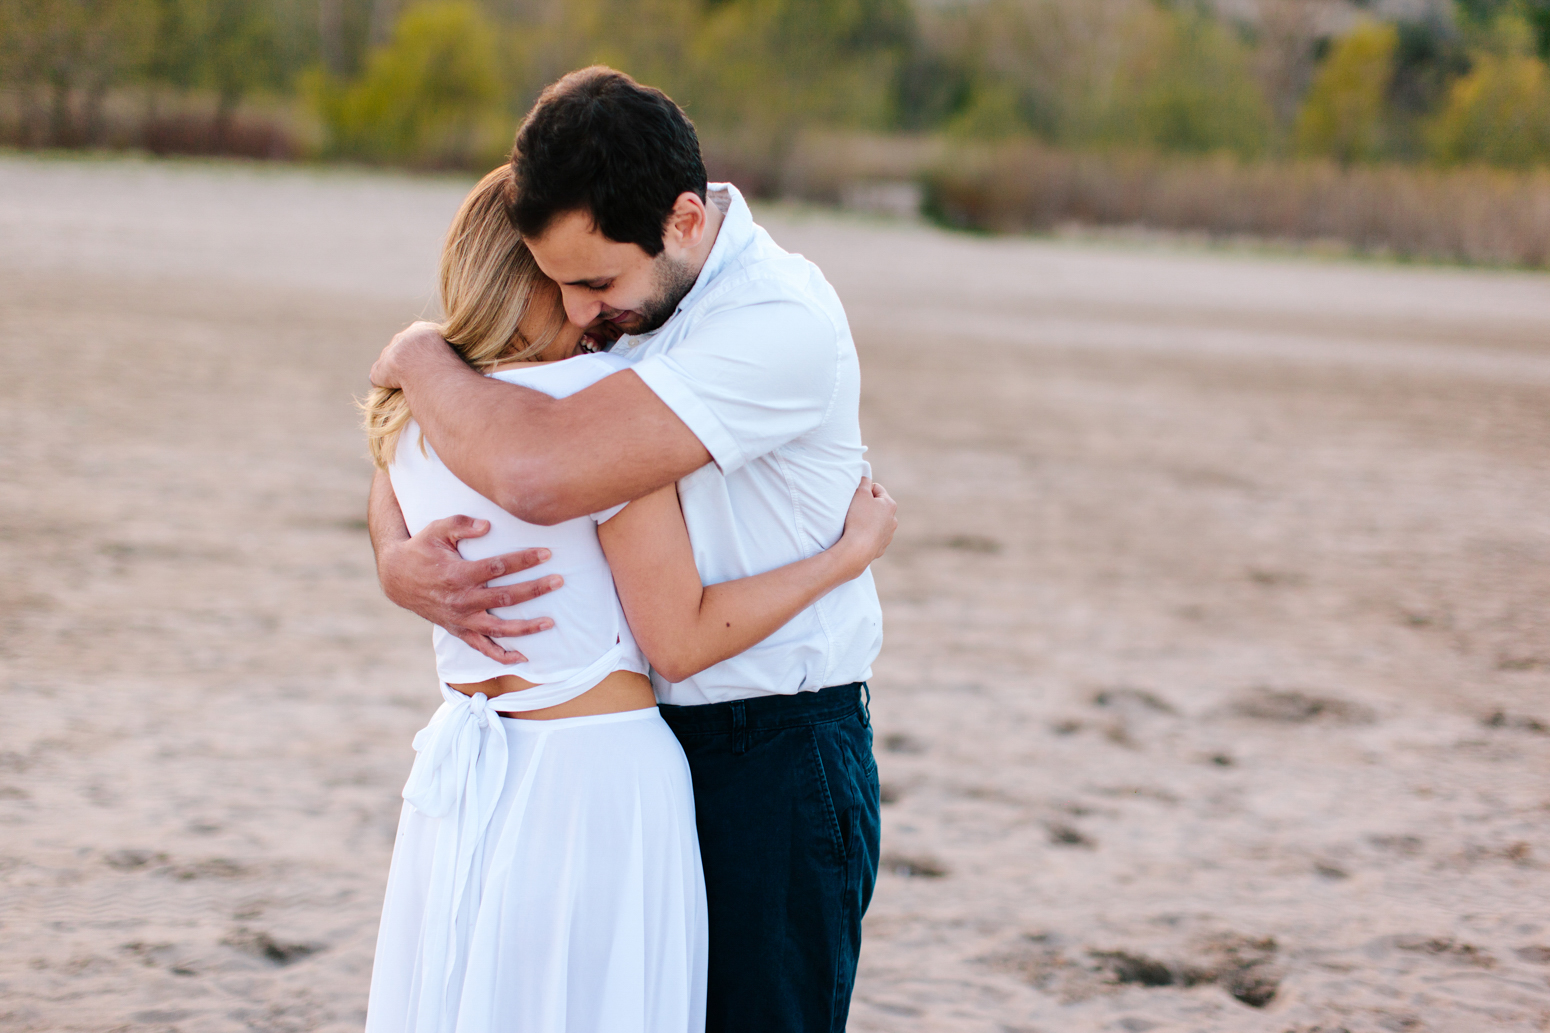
(648, 801)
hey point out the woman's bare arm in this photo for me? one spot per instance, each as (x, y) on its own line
(684, 627)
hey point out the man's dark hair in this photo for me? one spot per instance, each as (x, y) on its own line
(597, 141)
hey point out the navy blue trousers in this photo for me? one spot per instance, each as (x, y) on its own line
(786, 798)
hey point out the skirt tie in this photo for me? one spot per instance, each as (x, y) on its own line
(459, 771)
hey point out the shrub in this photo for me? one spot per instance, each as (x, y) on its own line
(65, 48)
(990, 114)
(432, 96)
(1468, 215)
(1498, 114)
(248, 136)
(999, 68)
(1187, 86)
(1342, 116)
(759, 71)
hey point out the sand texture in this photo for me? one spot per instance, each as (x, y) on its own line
(1218, 621)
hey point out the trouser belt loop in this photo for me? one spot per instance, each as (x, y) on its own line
(866, 706)
(740, 726)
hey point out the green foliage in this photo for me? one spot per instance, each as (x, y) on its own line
(90, 43)
(1008, 67)
(930, 89)
(1430, 55)
(990, 114)
(1343, 114)
(445, 81)
(179, 30)
(1498, 114)
(654, 48)
(1071, 71)
(241, 50)
(85, 46)
(753, 74)
(432, 96)
(1533, 15)
(230, 47)
(1186, 85)
(770, 66)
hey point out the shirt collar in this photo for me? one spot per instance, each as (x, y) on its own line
(735, 234)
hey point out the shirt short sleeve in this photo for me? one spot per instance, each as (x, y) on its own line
(749, 378)
(608, 514)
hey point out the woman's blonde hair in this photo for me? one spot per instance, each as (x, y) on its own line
(489, 282)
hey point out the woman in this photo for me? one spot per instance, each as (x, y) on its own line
(546, 875)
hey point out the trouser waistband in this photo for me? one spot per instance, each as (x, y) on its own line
(765, 712)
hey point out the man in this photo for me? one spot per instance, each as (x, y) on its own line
(744, 390)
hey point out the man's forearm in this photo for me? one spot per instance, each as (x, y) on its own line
(384, 520)
(476, 424)
(543, 459)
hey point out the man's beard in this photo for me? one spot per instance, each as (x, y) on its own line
(674, 281)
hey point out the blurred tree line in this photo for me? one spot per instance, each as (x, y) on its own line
(441, 82)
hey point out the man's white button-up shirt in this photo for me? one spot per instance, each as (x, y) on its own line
(758, 361)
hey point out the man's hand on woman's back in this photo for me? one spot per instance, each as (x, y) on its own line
(425, 574)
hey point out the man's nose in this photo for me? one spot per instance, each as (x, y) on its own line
(580, 309)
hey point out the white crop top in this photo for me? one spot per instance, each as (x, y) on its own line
(590, 638)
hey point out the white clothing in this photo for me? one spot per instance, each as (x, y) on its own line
(590, 638)
(758, 361)
(545, 879)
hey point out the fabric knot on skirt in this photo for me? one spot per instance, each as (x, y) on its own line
(458, 774)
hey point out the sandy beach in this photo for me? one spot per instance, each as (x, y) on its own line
(1218, 621)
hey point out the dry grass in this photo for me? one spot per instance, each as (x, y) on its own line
(1477, 216)
(1473, 216)
(126, 120)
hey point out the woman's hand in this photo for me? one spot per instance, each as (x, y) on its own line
(684, 626)
(869, 526)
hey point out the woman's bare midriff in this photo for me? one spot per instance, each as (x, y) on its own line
(620, 691)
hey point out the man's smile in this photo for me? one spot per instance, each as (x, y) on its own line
(601, 335)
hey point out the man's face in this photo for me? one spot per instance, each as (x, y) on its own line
(607, 286)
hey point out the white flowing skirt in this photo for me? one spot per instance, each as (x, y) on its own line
(578, 907)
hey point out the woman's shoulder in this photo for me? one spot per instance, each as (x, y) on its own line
(565, 377)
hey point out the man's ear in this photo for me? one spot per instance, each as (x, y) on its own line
(686, 223)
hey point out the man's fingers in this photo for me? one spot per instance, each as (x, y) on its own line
(454, 529)
(451, 530)
(878, 491)
(510, 595)
(513, 562)
(381, 374)
(494, 627)
(383, 371)
(491, 649)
